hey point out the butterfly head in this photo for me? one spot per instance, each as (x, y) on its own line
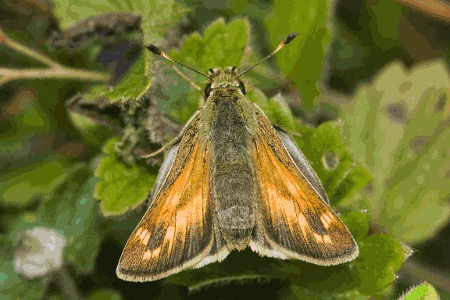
(224, 80)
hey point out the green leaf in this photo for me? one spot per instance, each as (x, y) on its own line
(132, 87)
(299, 292)
(157, 18)
(358, 224)
(265, 76)
(237, 267)
(339, 172)
(23, 185)
(424, 291)
(221, 45)
(104, 294)
(120, 187)
(93, 131)
(398, 127)
(303, 59)
(318, 282)
(381, 256)
(275, 108)
(72, 210)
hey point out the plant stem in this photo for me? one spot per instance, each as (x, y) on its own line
(68, 287)
(416, 272)
(27, 51)
(61, 72)
(55, 70)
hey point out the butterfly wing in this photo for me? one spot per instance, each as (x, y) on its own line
(295, 220)
(177, 231)
(302, 163)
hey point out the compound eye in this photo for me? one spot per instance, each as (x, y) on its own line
(242, 87)
(208, 90)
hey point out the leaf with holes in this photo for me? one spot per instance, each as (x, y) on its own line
(398, 127)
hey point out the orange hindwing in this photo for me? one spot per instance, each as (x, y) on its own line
(294, 221)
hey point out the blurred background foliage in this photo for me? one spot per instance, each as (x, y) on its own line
(363, 89)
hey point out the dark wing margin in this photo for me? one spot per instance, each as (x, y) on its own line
(294, 220)
(177, 231)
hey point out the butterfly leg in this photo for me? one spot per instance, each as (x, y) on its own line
(163, 147)
(172, 141)
(289, 132)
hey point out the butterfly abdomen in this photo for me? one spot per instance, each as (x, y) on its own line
(232, 180)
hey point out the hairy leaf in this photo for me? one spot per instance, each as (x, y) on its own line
(424, 291)
(120, 187)
(157, 18)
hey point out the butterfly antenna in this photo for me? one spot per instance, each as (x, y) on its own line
(283, 43)
(158, 51)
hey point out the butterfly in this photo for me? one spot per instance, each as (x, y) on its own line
(231, 181)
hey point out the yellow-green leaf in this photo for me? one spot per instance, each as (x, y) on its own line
(120, 187)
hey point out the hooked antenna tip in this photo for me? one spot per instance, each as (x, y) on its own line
(290, 37)
(154, 49)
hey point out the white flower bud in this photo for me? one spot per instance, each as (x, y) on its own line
(39, 252)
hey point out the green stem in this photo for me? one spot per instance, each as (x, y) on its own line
(417, 272)
(68, 287)
(55, 69)
(60, 72)
(27, 51)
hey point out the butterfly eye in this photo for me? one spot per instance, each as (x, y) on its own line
(242, 87)
(208, 90)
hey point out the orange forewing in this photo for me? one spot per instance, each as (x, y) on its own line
(176, 231)
(295, 222)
